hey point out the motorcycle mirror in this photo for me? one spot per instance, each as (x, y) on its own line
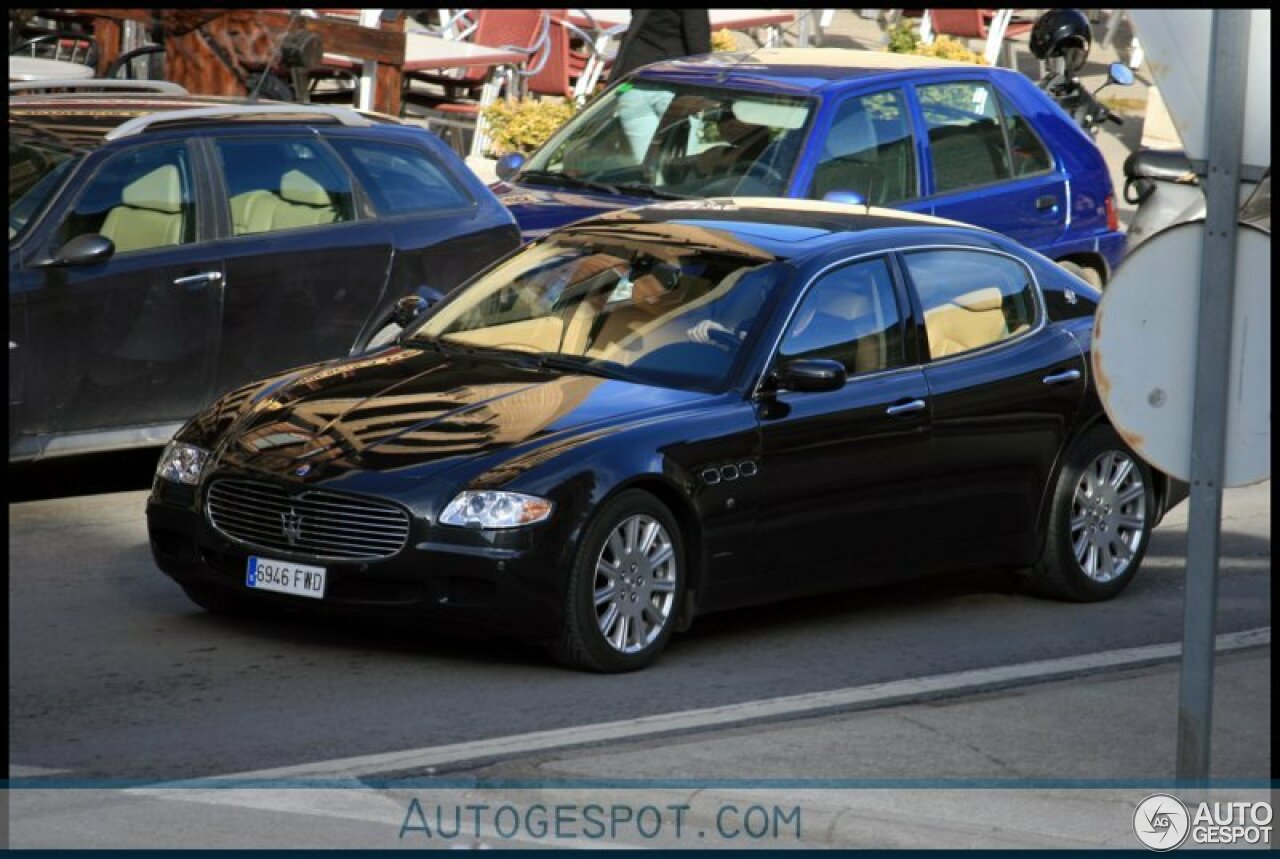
(1119, 73)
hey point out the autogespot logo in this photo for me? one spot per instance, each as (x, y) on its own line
(1161, 822)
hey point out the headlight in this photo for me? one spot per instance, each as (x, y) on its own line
(182, 463)
(495, 510)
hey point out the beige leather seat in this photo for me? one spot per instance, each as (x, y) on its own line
(968, 321)
(302, 202)
(150, 212)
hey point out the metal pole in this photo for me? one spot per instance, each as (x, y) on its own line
(1228, 65)
(369, 71)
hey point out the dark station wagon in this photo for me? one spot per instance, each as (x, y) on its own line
(164, 249)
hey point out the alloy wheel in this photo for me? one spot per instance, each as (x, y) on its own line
(1108, 516)
(635, 583)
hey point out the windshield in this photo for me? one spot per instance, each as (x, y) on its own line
(35, 170)
(693, 141)
(676, 313)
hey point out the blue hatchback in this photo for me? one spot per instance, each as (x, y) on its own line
(965, 142)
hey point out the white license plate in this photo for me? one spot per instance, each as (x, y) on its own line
(285, 577)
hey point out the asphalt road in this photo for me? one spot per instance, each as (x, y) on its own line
(113, 674)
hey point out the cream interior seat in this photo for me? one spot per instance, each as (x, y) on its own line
(968, 321)
(150, 212)
(302, 202)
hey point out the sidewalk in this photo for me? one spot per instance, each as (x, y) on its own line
(1058, 765)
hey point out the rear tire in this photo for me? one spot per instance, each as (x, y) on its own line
(1104, 507)
(626, 587)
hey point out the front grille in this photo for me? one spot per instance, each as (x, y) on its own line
(316, 523)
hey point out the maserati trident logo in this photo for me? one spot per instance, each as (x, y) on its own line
(291, 524)
(302, 470)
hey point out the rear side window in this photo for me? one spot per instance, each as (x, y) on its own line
(276, 185)
(971, 299)
(868, 150)
(1029, 154)
(966, 138)
(850, 316)
(401, 179)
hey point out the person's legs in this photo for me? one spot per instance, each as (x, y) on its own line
(639, 112)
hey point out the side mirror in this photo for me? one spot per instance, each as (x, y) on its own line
(509, 165)
(810, 374)
(1119, 73)
(408, 309)
(86, 249)
(851, 198)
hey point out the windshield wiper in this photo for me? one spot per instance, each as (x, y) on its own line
(564, 180)
(581, 364)
(641, 188)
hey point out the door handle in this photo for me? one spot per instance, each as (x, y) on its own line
(907, 408)
(1062, 378)
(200, 279)
(1048, 201)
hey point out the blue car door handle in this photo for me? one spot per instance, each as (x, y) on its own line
(1048, 201)
(907, 408)
(1062, 378)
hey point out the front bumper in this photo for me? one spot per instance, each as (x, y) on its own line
(510, 582)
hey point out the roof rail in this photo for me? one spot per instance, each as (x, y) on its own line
(344, 115)
(96, 84)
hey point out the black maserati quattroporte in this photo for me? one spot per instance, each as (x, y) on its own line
(671, 410)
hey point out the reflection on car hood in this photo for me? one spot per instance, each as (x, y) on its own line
(405, 407)
(539, 209)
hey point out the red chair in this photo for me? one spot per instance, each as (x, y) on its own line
(522, 30)
(974, 24)
(547, 72)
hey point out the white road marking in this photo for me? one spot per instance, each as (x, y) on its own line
(858, 697)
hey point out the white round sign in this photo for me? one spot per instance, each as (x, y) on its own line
(1144, 352)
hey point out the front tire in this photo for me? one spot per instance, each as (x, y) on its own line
(626, 587)
(1104, 507)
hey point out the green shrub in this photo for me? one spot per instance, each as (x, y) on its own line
(523, 126)
(724, 40)
(903, 39)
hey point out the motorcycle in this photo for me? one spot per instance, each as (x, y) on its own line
(1080, 104)
(1164, 187)
(1061, 39)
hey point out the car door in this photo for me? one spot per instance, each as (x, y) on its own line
(130, 340)
(868, 149)
(306, 260)
(1004, 387)
(844, 471)
(986, 166)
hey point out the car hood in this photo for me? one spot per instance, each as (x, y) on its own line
(538, 209)
(417, 412)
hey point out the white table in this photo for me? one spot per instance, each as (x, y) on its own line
(612, 23)
(41, 69)
(424, 52)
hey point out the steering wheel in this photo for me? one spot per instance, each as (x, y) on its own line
(760, 180)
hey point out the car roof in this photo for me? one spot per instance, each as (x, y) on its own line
(780, 228)
(82, 120)
(801, 69)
